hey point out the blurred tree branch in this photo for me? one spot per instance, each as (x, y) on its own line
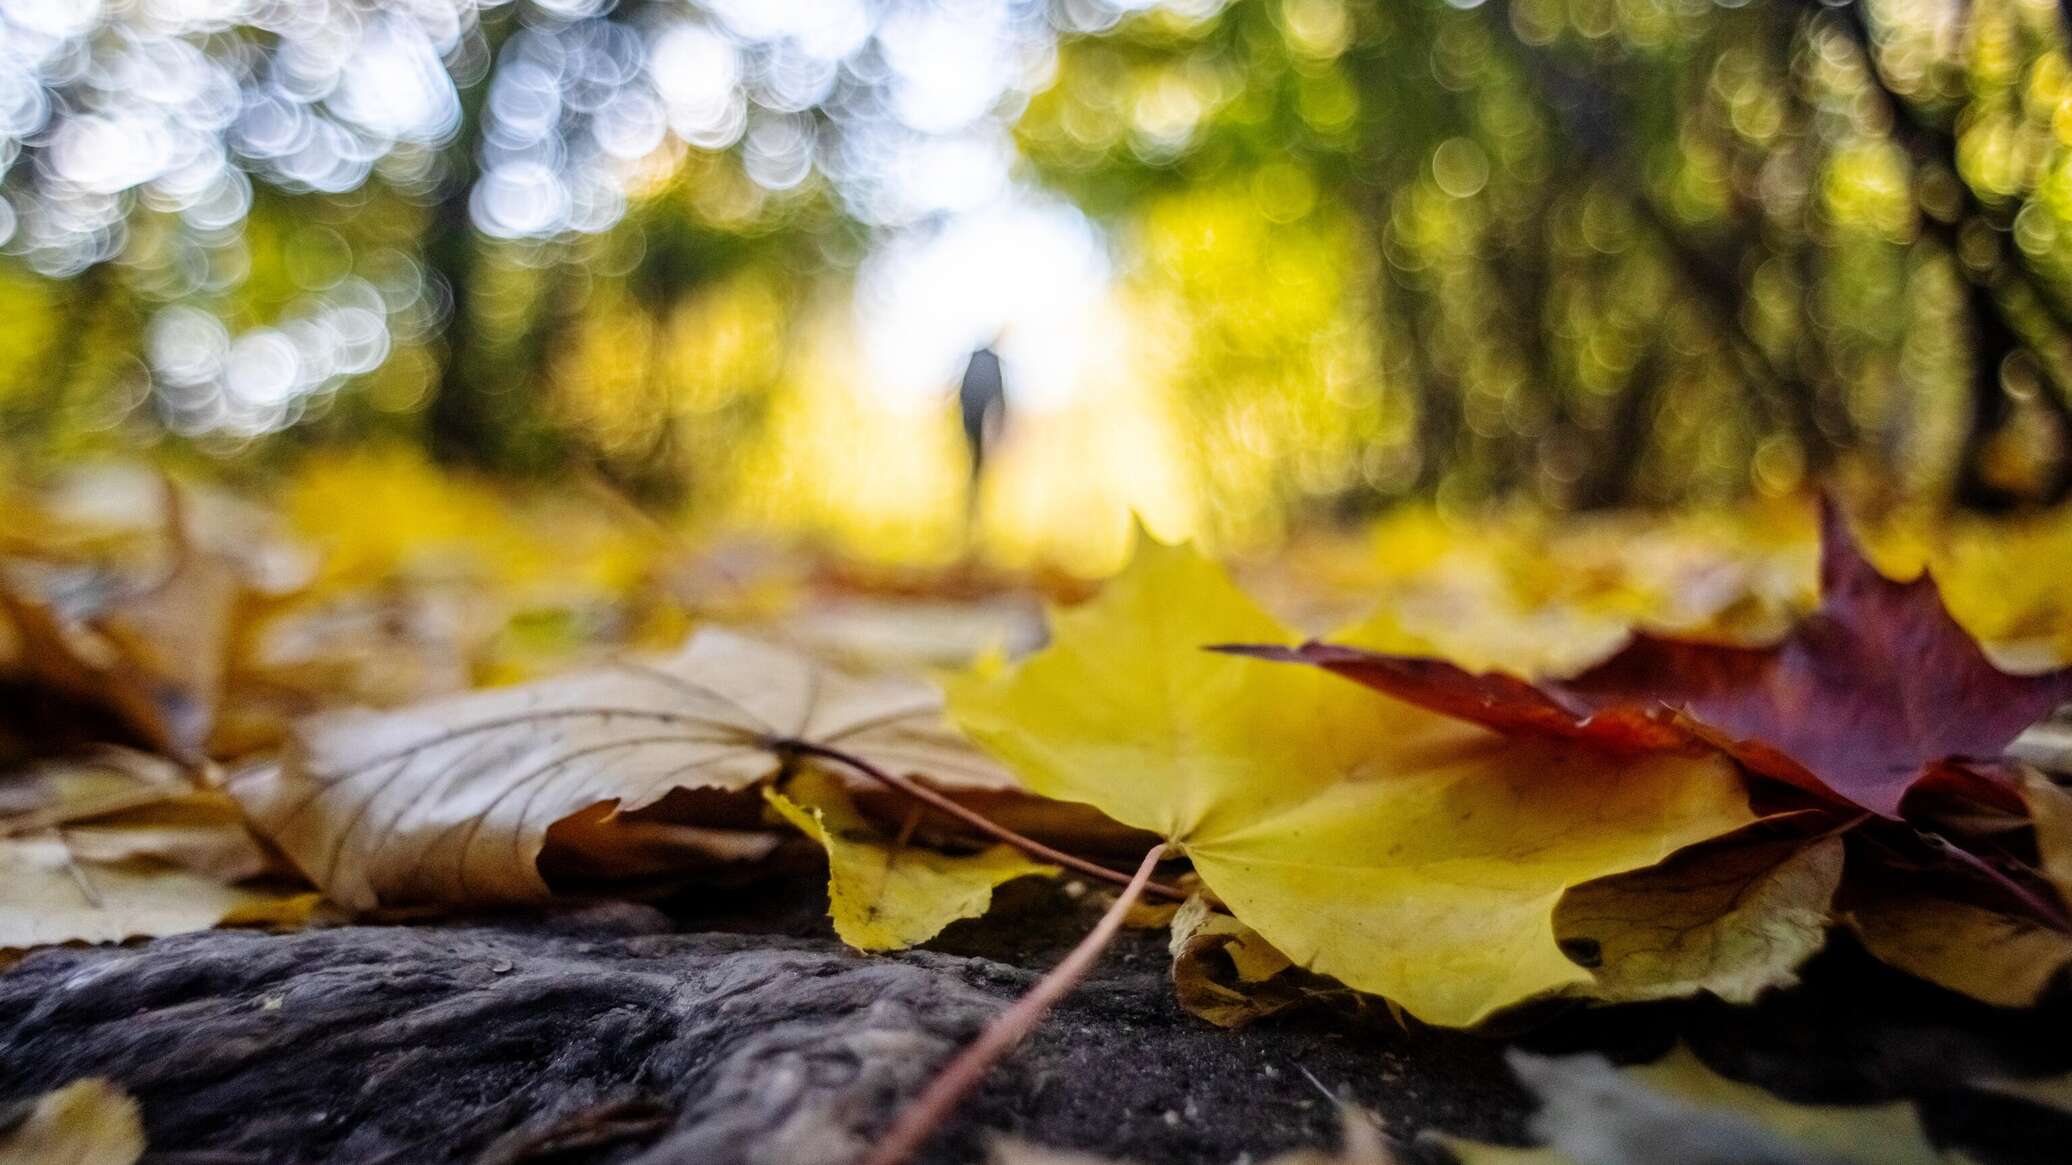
(2006, 274)
(1588, 116)
(462, 419)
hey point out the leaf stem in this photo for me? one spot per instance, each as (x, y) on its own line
(971, 817)
(2046, 911)
(920, 1119)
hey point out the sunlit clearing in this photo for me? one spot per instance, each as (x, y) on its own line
(1028, 277)
(884, 477)
(837, 463)
(1067, 482)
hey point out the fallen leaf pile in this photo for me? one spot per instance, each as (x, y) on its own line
(1876, 705)
(1401, 852)
(1661, 778)
(1873, 693)
(106, 846)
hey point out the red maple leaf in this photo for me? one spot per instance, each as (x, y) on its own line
(1876, 691)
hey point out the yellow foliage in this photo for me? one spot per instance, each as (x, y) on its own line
(2002, 578)
(87, 1122)
(628, 376)
(120, 845)
(1401, 852)
(1276, 383)
(385, 514)
(885, 896)
(1520, 591)
(880, 483)
(33, 324)
(1884, 1134)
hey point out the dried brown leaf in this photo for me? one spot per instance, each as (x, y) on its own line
(1734, 918)
(451, 802)
(1998, 958)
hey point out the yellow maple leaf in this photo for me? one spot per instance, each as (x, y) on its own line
(1401, 852)
(884, 896)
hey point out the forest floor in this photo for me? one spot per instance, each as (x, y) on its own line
(622, 1033)
(865, 816)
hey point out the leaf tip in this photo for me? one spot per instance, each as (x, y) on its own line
(1843, 564)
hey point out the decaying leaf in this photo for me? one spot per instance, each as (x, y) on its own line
(1998, 958)
(89, 784)
(53, 895)
(1403, 853)
(451, 801)
(681, 838)
(1855, 705)
(117, 804)
(154, 654)
(117, 846)
(885, 896)
(1678, 1110)
(87, 1122)
(1733, 917)
(1205, 942)
(2050, 811)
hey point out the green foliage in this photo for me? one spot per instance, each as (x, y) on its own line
(1585, 251)
(1636, 251)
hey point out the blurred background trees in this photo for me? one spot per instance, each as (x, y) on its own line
(1244, 263)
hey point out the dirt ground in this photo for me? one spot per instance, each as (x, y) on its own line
(749, 1036)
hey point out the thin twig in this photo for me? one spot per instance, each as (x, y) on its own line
(970, 817)
(926, 1114)
(78, 873)
(2044, 911)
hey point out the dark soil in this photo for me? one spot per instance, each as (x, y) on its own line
(614, 1035)
(622, 1033)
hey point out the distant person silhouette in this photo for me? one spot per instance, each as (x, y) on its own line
(982, 398)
